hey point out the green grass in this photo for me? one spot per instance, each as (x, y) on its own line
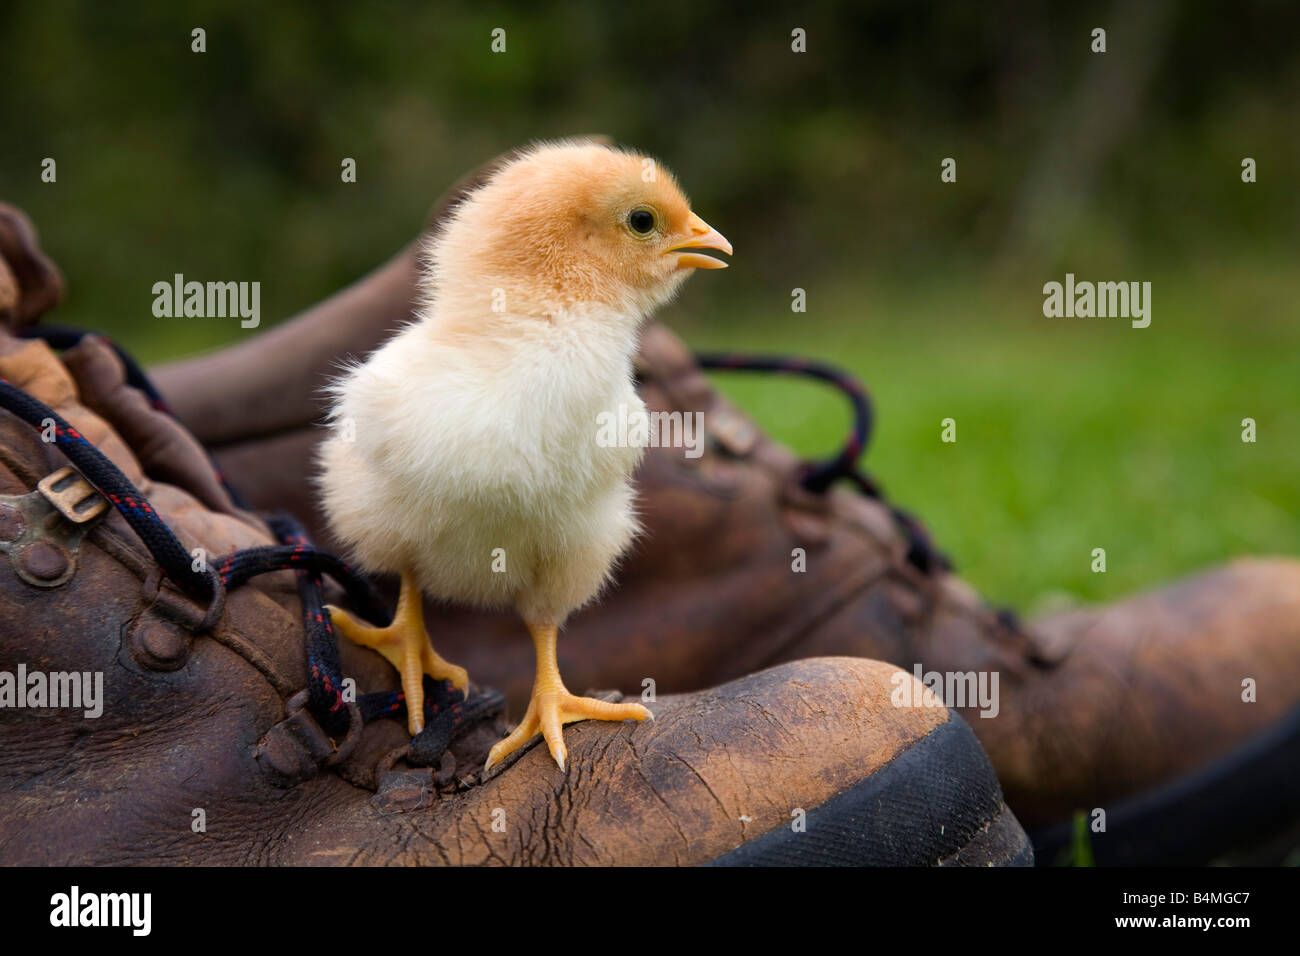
(1081, 845)
(1072, 434)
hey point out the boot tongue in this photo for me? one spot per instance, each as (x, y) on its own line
(167, 452)
(8, 291)
(30, 284)
(664, 359)
(662, 355)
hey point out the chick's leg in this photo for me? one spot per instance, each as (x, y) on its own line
(552, 706)
(406, 646)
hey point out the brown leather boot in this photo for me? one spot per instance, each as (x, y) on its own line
(1134, 708)
(144, 720)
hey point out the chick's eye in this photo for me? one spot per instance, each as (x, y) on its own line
(641, 221)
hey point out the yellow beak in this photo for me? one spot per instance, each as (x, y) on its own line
(702, 236)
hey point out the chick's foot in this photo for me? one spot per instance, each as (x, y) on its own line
(552, 706)
(405, 645)
(549, 711)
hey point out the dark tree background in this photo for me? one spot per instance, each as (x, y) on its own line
(226, 163)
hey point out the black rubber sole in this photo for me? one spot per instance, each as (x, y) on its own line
(937, 803)
(1247, 799)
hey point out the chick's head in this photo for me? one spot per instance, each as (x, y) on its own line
(574, 224)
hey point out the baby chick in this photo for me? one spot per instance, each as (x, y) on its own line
(463, 454)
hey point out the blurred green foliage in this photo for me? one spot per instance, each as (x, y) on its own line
(1072, 434)
(821, 167)
(1081, 846)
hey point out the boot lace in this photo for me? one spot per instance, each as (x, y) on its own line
(818, 476)
(447, 712)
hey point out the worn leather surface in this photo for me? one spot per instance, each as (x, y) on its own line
(714, 769)
(187, 712)
(1095, 704)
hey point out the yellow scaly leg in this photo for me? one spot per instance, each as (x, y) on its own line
(552, 706)
(406, 646)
